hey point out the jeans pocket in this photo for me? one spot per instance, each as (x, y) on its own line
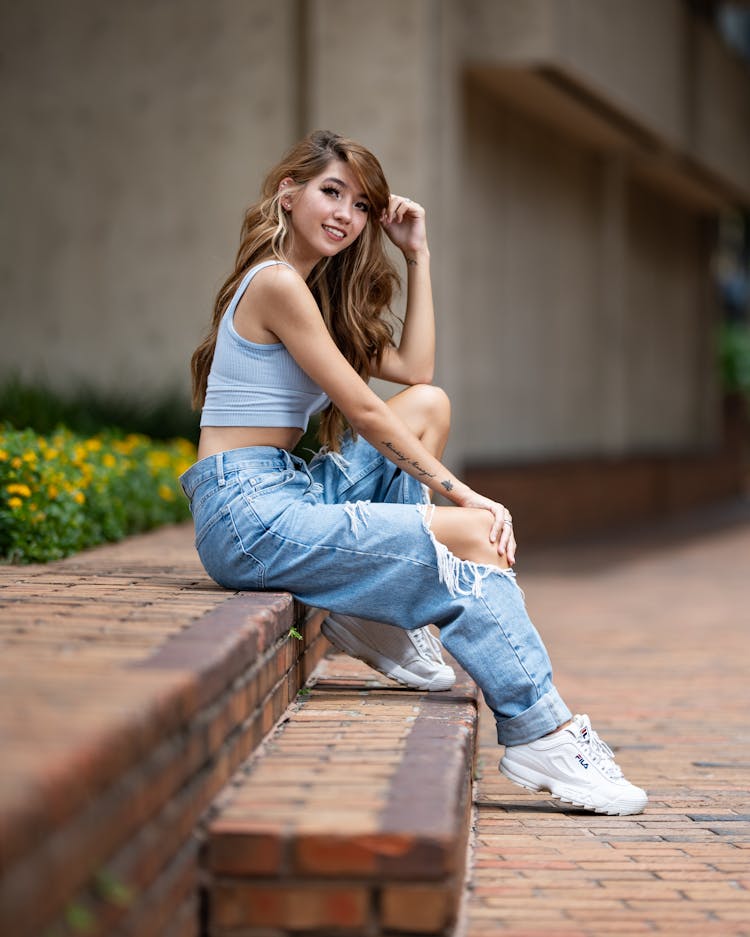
(225, 556)
(259, 486)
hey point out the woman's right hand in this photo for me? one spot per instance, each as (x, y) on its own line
(404, 223)
(502, 524)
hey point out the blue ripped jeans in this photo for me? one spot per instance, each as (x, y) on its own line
(350, 533)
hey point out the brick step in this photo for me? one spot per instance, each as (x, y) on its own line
(108, 769)
(353, 818)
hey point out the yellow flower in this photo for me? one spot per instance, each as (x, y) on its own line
(52, 492)
(16, 462)
(108, 460)
(93, 445)
(19, 490)
(3, 455)
(166, 493)
(51, 453)
(158, 460)
(186, 448)
(14, 503)
(123, 446)
(79, 497)
(29, 456)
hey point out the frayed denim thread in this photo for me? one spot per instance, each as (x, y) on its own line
(452, 570)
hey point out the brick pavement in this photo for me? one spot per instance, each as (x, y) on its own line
(104, 607)
(650, 637)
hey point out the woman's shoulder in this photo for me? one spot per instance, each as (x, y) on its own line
(277, 293)
(278, 280)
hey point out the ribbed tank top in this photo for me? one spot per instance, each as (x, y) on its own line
(252, 384)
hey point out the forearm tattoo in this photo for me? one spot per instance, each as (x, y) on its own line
(400, 457)
(447, 484)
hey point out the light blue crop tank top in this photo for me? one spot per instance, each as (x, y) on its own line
(252, 384)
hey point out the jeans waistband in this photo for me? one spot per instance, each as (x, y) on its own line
(258, 458)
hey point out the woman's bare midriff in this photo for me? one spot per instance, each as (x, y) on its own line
(216, 439)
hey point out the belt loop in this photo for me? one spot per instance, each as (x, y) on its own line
(220, 469)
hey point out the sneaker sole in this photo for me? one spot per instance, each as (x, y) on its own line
(610, 810)
(390, 668)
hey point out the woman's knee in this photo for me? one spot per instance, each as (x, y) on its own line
(424, 407)
(434, 403)
(466, 533)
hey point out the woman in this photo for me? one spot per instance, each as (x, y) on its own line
(300, 326)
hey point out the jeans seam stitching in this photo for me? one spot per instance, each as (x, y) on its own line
(512, 647)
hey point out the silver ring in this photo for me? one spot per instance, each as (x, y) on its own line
(508, 522)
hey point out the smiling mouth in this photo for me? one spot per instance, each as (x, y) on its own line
(336, 233)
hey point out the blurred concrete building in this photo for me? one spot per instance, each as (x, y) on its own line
(573, 157)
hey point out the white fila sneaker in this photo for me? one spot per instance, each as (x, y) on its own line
(576, 767)
(413, 658)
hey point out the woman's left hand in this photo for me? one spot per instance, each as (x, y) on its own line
(501, 531)
(404, 223)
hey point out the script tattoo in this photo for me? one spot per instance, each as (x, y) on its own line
(447, 484)
(423, 473)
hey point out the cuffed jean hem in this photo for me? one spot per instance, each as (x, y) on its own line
(543, 717)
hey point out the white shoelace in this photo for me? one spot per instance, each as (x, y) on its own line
(427, 644)
(597, 750)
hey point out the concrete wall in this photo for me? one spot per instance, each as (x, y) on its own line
(135, 134)
(633, 53)
(593, 333)
(531, 285)
(719, 130)
(672, 397)
(572, 299)
(650, 62)
(390, 76)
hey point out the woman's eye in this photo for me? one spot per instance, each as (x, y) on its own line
(330, 190)
(363, 206)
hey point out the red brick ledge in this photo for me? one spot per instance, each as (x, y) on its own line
(220, 645)
(354, 817)
(567, 499)
(126, 799)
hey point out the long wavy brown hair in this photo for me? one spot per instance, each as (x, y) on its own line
(353, 289)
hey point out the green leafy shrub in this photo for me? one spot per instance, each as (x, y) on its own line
(89, 410)
(734, 358)
(63, 492)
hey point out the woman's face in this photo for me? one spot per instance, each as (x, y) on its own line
(328, 214)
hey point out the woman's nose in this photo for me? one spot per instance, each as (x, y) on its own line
(343, 210)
